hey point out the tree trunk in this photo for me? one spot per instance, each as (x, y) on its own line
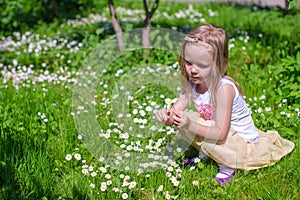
(116, 25)
(55, 8)
(286, 6)
(147, 22)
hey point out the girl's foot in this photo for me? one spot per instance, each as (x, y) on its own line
(224, 177)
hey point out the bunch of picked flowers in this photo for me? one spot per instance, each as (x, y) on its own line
(168, 103)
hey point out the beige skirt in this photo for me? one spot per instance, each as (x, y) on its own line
(238, 153)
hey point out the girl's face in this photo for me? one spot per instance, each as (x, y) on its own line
(198, 64)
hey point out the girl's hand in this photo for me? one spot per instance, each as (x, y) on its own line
(180, 119)
(164, 117)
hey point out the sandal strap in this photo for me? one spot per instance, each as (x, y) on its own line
(226, 173)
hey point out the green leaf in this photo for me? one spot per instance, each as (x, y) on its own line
(99, 31)
(128, 27)
(200, 165)
(276, 123)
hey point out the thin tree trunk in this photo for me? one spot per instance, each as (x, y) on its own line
(147, 22)
(286, 9)
(146, 37)
(116, 25)
(55, 8)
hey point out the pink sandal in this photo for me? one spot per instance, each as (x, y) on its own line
(225, 180)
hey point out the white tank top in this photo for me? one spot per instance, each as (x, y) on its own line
(241, 120)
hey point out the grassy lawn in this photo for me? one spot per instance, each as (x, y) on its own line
(76, 115)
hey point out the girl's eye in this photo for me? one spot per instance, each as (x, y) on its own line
(188, 63)
(204, 67)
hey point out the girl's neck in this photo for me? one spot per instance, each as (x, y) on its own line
(201, 89)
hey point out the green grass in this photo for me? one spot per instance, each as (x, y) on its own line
(37, 114)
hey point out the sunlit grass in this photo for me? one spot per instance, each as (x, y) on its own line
(43, 156)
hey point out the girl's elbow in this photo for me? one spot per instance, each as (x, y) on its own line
(222, 139)
(220, 142)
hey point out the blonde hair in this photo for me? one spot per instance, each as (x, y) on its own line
(214, 39)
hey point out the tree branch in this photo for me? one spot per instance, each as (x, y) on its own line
(149, 14)
(154, 8)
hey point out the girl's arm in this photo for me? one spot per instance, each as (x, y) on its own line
(182, 102)
(218, 132)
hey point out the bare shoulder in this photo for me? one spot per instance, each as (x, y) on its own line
(226, 91)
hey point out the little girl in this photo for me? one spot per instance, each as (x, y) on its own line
(222, 128)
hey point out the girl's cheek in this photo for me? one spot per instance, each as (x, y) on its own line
(187, 69)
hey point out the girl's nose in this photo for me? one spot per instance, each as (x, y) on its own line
(193, 70)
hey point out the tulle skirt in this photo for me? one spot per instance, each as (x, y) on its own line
(238, 153)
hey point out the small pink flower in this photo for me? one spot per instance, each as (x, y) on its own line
(206, 111)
